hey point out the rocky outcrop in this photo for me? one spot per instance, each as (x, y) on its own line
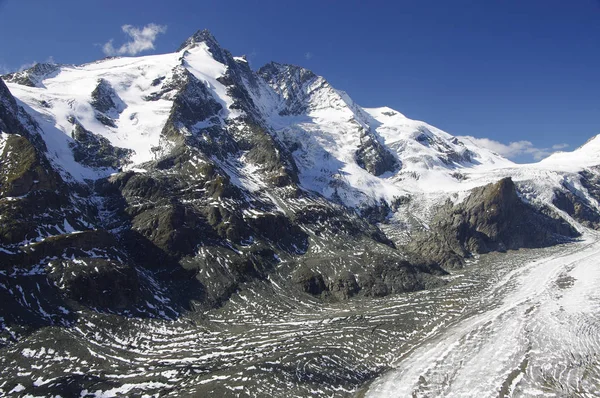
(372, 155)
(309, 281)
(380, 274)
(577, 207)
(491, 218)
(97, 282)
(24, 169)
(193, 103)
(93, 150)
(448, 154)
(34, 76)
(107, 103)
(590, 180)
(291, 81)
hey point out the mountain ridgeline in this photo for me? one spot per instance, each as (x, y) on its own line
(162, 185)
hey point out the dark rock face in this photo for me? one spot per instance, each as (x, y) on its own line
(491, 218)
(9, 104)
(14, 119)
(105, 99)
(576, 204)
(23, 169)
(577, 208)
(373, 157)
(397, 277)
(372, 273)
(310, 281)
(343, 286)
(449, 156)
(107, 103)
(294, 80)
(96, 282)
(96, 151)
(590, 179)
(377, 212)
(193, 101)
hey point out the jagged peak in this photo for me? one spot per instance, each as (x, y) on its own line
(201, 36)
(33, 76)
(275, 70)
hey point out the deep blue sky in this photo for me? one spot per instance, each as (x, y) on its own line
(507, 70)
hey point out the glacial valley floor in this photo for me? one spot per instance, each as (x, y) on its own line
(522, 323)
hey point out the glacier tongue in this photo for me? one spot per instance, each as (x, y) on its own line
(537, 336)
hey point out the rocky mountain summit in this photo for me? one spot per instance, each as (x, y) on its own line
(161, 186)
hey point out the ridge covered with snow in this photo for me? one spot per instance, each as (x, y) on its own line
(344, 152)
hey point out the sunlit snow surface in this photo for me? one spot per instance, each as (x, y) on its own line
(326, 134)
(67, 93)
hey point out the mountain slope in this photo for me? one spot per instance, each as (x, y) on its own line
(193, 148)
(157, 185)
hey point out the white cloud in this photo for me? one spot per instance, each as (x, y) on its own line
(558, 147)
(141, 39)
(515, 148)
(308, 55)
(27, 66)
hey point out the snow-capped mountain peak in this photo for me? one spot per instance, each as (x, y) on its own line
(142, 106)
(586, 155)
(201, 36)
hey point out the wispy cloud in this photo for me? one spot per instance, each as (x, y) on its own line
(140, 39)
(308, 55)
(515, 148)
(4, 70)
(27, 65)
